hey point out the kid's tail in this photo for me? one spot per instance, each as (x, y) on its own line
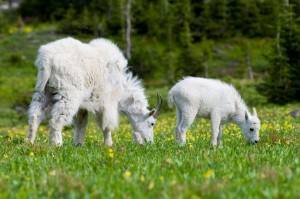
(43, 64)
(170, 98)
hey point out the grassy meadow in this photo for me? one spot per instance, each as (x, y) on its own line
(269, 169)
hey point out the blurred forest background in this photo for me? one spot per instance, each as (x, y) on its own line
(254, 44)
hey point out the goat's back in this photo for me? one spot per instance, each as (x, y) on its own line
(205, 94)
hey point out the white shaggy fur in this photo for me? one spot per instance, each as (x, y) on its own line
(74, 78)
(213, 99)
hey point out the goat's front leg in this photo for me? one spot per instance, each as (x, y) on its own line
(215, 127)
(62, 114)
(80, 122)
(219, 138)
(107, 138)
(108, 121)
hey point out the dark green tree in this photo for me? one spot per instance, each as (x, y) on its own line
(282, 84)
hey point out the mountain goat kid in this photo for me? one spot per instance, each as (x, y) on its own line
(74, 78)
(213, 99)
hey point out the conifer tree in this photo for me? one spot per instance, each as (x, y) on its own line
(283, 83)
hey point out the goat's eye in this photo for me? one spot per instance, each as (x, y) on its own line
(251, 129)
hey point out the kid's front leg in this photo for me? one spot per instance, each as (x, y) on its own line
(219, 138)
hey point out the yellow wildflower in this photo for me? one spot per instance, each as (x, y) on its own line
(278, 142)
(127, 174)
(173, 182)
(262, 176)
(142, 179)
(208, 173)
(288, 141)
(11, 30)
(162, 178)
(31, 154)
(27, 29)
(151, 185)
(111, 155)
(52, 173)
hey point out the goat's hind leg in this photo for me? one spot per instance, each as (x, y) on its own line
(184, 120)
(79, 123)
(62, 114)
(36, 114)
(178, 128)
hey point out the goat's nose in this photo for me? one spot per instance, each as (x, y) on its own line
(256, 141)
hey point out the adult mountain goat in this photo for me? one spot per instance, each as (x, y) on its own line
(74, 78)
(212, 99)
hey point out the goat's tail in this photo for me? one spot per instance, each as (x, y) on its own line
(43, 64)
(170, 98)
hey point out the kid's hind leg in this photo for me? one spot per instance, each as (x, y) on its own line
(178, 117)
(36, 114)
(186, 119)
(62, 114)
(80, 122)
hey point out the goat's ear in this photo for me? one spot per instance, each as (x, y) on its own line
(246, 116)
(254, 112)
(151, 112)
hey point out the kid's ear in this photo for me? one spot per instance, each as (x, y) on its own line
(246, 116)
(254, 112)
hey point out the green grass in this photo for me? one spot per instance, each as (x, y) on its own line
(270, 169)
